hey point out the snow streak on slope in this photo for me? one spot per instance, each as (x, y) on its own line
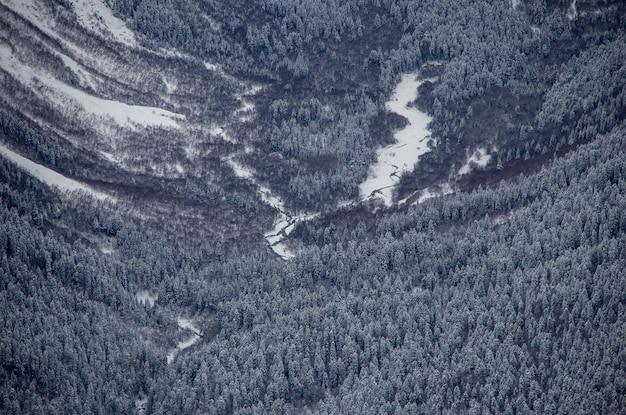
(572, 12)
(67, 97)
(48, 176)
(412, 142)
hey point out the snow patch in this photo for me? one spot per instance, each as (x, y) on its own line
(185, 324)
(502, 219)
(141, 404)
(264, 191)
(95, 15)
(240, 171)
(282, 251)
(191, 151)
(429, 193)
(515, 3)
(110, 157)
(220, 132)
(212, 67)
(247, 109)
(146, 298)
(49, 176)
(478, 158)
(282, 228)
(107, 248)
(83, 76)
(171, 85)
(572, 12)
(411, 143)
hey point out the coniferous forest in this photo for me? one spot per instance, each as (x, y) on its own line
(185, 230)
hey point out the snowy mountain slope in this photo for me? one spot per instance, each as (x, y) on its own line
(130, 121)
(133, 113)
(158, 158)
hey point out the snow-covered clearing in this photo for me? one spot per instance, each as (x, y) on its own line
(49, 176)
(412, 142)
(478, 158)
(146, 298)
(196, 334)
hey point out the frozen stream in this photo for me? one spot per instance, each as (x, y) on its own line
(285, 222)
(393, 161)
(412, 142)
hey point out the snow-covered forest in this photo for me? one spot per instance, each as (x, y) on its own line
(312, 206)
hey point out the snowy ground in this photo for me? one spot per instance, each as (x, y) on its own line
(478, 158)
(48, 176)
(572, 12)
(282, 228)
(411, 143)
(95, 15)
(146, 298)
(196, 334)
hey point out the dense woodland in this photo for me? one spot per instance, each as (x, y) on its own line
(507, 296)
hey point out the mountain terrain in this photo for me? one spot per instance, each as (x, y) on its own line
(324, 207)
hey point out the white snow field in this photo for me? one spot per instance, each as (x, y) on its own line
(93, 15)
(411, 143)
